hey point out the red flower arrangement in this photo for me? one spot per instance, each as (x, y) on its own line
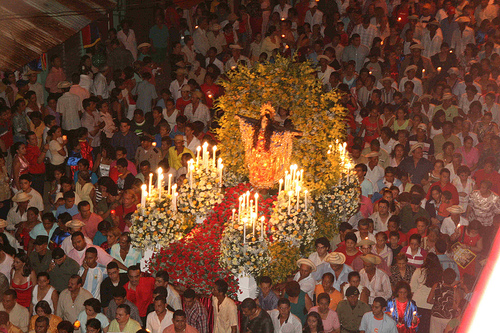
(193, 261)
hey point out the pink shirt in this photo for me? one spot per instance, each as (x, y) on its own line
(189, 329)
(103, 257)
(470, 158)
(79, 91)
(331, 323)
(130, 167)
(90, 227)
(55, 76)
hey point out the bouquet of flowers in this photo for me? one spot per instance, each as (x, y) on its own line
(201, 190)
(157, 223)
(341, 201)
(292, 219)
(242, 251)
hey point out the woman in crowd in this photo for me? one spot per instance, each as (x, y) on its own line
(57, 147)
(19, 163)
(23, 279)
(300, 302)
(398, 154)
(112, 236)
(349, 248)
(43, 291)
(469, 237)
(434, 175)
(464, 184)
(328, 316)
(403, 309)
(42, 309)
(92, 311)
(421, 283)
(484, 204)
(103, 161)
(401, 271)
(442, 297)
(314, 323)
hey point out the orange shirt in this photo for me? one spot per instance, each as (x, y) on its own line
(335, 296)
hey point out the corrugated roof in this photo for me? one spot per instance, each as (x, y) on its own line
(29, 28)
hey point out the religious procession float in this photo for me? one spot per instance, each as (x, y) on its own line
(253, 204)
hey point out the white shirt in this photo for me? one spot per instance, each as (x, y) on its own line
(371, 325)
(14, 217)
(374, 175)
(35, 201)
(291, 325)
(68, 105)
(370, 236)
(90, 121)
(154, 325)
(201, 43)
(201, 113)
(448, 227)
(432, 45)
(218, 41)
(389, 146)
(217, 63)
(379, 286)
(6, 266)
(225, 315)
(378, 224)
(460, 39)
(67, 244)
(417, 89)
(307, 285)
(39, 91)
(282, 11)
(173, 298)
(190, 54)
(234, 63)
(314, 257)
(325, 76)
(175, 89)
(195, 142)
(317, 18)
(100, 86)
(128, 41)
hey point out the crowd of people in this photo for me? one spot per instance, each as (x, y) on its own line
(420, 81)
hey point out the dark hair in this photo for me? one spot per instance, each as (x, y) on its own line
(351, 236)
(163, 275)
(381, 301)
(432, 269)
(119, 291)
(44, 274)
(125, 307)
(92, 250)
(44, 305)
(285, 301)
(449, 276)
(266, 279)
(94, 303)
(323, 296)
(319, 328)
(23, 257)
(222, 286)
(267, 133)
(292, 288)
(323, 241)
(112, 265)
(94, 323)
(66, 326)
(69, 195)
(179, 313)
(189, 294)
(76, 277)
(42, 319)
(249, 304)
(353, 274)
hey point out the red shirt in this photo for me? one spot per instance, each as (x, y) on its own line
(32, 154)
(493, 177)
(402, 236)
(142, 296)
(412, 231)
(348, 259)
(214, 90)
(449, 187)
(181, 105)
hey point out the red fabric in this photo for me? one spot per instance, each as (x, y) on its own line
(172, 18)
(348, 259)
(142, 296)
(86, 152)
(8, 137)
(493, 177)
(121, 212)
(402, 237)
(181, 105)
(469, 241)
(214, 89)
(302, 8)
(32, 154)
(371, 129)
(449, 187)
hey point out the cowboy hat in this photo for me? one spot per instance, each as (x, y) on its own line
(387, 78)
(417, 46)
(455, 209)
(143, 45)
(415, 147)
(3, 223)
(409, 68)
(335, 258)
(308, 262)
(372, 154)
(365, 242)
(463, 19)
(64, 85)
(21, 197)
(235, 47)
(75, 224)
(323, 57)
(371, 259)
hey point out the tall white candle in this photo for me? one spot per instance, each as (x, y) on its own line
(290, 193)
(248, 199)
(254, 222)
(175, 200)
(240, 199)
(286, 178)
(232, 216)
(214, 150)
(198, 149)
(256, 196)
(298, 197)
(279, 189)
(191, 169)
(158, 184)
(150, 182)
(244, 229)
(205, 154)
(143, 197)
(221, 166)
(170, 181)
(161, 186)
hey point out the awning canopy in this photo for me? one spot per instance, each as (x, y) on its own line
(29, 28)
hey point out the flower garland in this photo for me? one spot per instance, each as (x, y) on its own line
(292, 222)
(200, 191)
(341, 201)
(156, 224)
(249, 257)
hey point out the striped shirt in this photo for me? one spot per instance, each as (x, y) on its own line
(416, 260)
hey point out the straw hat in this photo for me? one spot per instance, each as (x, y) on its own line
(143, 45)
(235, 47)
(422, 127)
(323, 57)
(463, 19)
(387, 78)
(75, 224)
(447, 96)
(424, 96)
(64, 85)
(365, 242)
(371, 259)
(455, 209)
(417, 46)
(335, 258)
(308, 262)
(3, 223)
(21, 197)
(372, 154)
(415, 147)
(409, 68)
(215, 27)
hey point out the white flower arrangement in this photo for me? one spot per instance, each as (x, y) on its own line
(244, 257)
(341, 201)
(157, 224)
(201, 191)
(291, 222)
